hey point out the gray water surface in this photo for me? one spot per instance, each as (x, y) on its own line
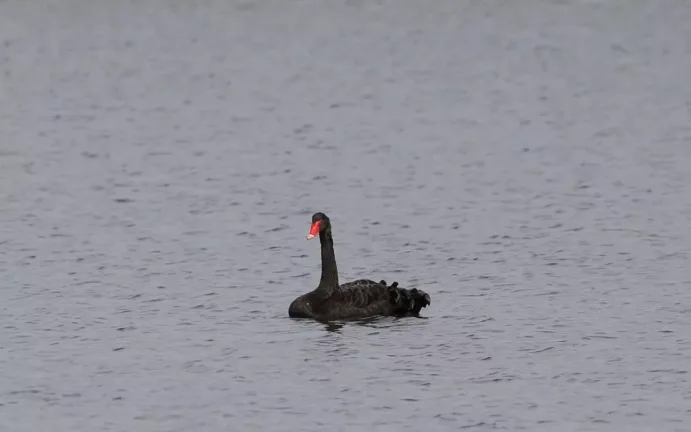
(526, 163)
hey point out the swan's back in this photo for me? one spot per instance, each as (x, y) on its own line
(365, 298)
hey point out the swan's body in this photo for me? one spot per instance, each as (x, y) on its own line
(358, 299)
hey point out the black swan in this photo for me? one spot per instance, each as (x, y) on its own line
(358, 299)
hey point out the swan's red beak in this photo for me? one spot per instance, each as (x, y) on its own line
(314, 230)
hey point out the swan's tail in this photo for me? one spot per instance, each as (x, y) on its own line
(407, 302)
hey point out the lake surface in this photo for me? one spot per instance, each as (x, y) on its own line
(528, 164)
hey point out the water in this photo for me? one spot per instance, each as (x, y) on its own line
(525, 163)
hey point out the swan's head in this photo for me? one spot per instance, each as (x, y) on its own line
(320, 222)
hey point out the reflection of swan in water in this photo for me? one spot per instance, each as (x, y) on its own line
(358, 299)
(334, 327)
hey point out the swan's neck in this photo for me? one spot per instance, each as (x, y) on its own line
(329, 279)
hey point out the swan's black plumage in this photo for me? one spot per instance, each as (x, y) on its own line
(358, 299)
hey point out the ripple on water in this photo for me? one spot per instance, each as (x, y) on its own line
(151, 240)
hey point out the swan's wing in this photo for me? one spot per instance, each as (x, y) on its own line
(363, 292)
(392, 299)
(358, 299)
(364, 297)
